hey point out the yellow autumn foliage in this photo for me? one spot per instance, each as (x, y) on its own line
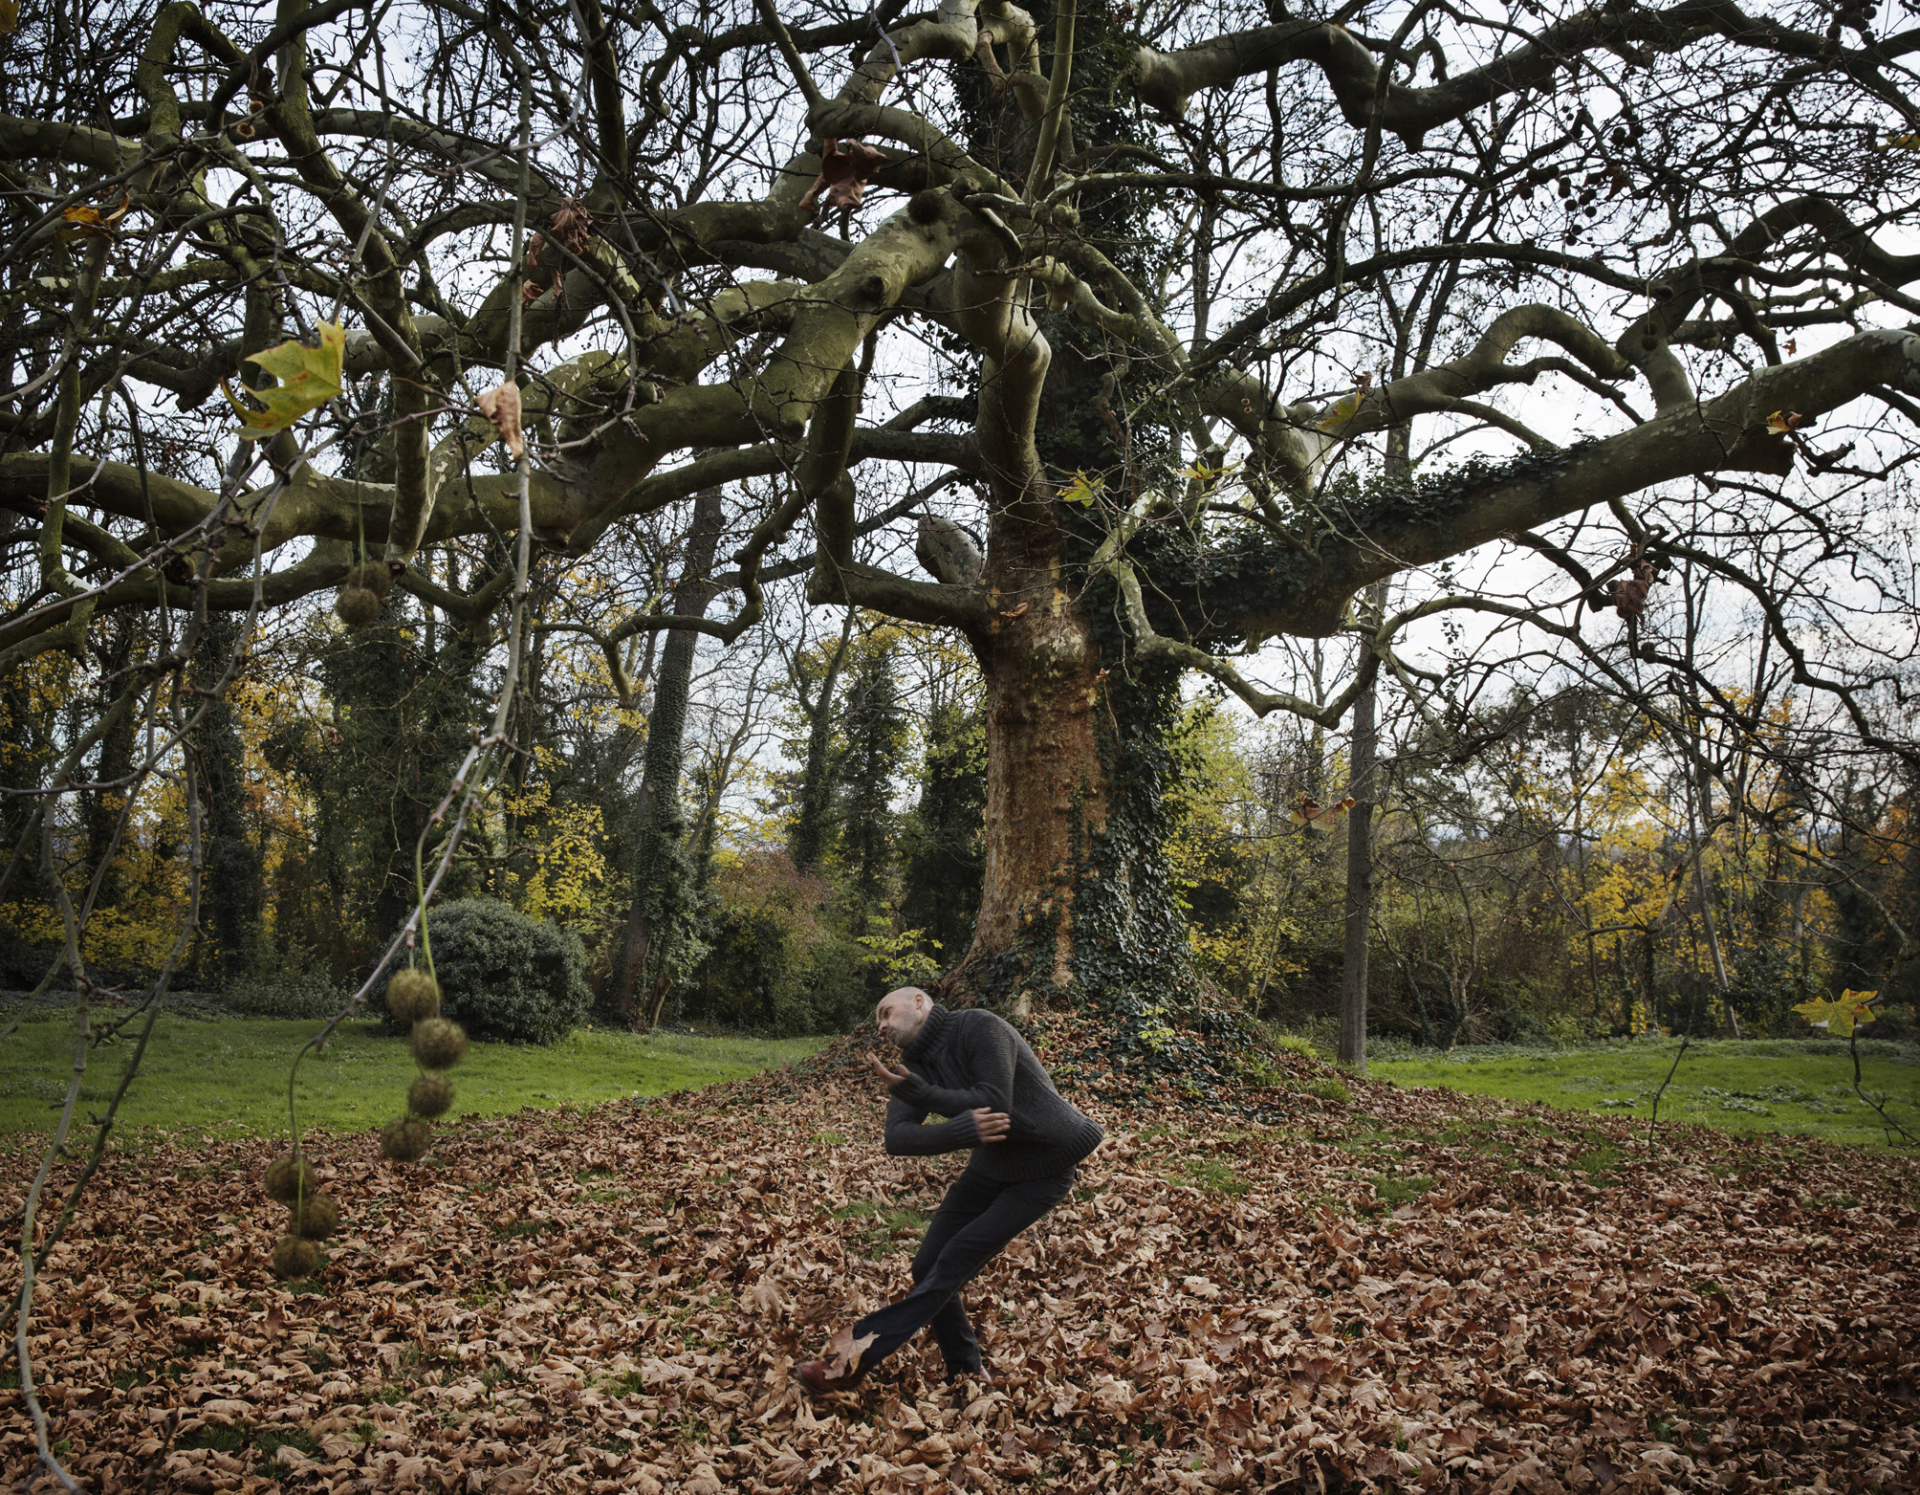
(568, 884)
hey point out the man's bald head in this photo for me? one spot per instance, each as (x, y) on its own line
(902, 1013)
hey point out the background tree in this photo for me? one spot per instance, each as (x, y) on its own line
(234, 891)
(941, 862)
(662, 934)
(814, 679)
(873, 742)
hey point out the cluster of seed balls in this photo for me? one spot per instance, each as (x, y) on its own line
(413, 996)
(358, 601)
(314, 1217)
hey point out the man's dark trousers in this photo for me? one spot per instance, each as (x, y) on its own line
(973, 1224)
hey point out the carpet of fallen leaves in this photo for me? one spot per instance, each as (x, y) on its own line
(610, 1300)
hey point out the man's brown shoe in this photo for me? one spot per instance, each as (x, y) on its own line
(981, 1377)
(818, 1378)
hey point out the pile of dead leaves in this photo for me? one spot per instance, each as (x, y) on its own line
(1415, 1291)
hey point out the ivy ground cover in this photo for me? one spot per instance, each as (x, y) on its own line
(1416, 1290)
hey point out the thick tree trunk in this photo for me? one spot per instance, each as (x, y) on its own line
(1046, 796)
(1075, 905)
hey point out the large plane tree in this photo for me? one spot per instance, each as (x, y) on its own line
(1087, 308)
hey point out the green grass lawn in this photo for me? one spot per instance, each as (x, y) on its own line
(1762, 1085)
(228, 1077)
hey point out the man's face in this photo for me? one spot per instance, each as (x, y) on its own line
(901, 1015)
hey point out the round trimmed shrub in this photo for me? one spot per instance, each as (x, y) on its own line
(507, 977)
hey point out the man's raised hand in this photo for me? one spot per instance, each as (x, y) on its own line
(892, 1076)
(988, 1126)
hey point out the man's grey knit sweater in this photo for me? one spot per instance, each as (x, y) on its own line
(962, 1061)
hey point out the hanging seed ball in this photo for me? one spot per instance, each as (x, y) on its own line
(413, 996)
(289, 1177)
(405, 1141)
(430, 1095)
(438, 1043)
(356, 606)
(373, 576)
(319, 1218)
(294, 1257)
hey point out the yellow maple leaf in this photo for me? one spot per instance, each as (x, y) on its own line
(9, 15)
(1907, 142)
(1852, 1010)
(85, 222)
(1344, 410)
(1820, 1013)
(1199, 472)
(1083, 489)
(1783, 421)
(309, 377)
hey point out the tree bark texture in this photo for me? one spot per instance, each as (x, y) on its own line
(1046, 790)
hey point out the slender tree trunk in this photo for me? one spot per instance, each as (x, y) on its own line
(1653, 1002)
(808, 841)
(1695, 824)
(1317, 738)
(1579, 785)
(662, 888)
(1359, 898)
(1396, 465)
(233, 890)
(100, 809)
(633, 956)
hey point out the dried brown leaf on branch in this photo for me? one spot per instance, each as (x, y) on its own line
(532, 290)
(501, 405)
(572, 224)
(1629, 595)
(844, 174)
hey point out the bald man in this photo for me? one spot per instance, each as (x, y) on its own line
(1025, 1143)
